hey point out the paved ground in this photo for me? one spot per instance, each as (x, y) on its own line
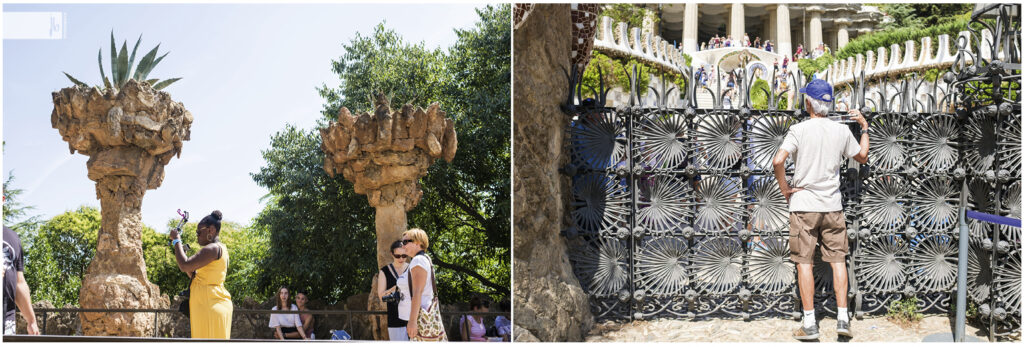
(766, 330)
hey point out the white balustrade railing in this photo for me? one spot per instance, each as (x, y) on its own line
(891, 62)
(619, 39)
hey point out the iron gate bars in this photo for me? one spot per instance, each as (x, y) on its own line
(675, 212)
(986, 87)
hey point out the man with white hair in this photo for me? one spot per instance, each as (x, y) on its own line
(818, 146)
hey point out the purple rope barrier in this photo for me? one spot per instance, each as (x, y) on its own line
(993, 218)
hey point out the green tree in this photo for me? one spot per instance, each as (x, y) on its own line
(467, 203)
(161, 267)
(632, 14)
(382, 62)
(323, 233)
(16, 213)
(60, 253)
(921, 15)
(246, 248)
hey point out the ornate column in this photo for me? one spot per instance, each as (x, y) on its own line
(690, 15)
(384, 154)
(815, 27)
(782, 30)
(129, 135)
(842, 35)
(736, 25)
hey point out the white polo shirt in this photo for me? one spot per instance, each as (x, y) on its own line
(818, 147)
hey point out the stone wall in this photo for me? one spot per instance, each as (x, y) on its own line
(549, 303)
(247, 326)
(243, 326)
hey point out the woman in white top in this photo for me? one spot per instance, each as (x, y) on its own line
(420, 268)
(286, 325)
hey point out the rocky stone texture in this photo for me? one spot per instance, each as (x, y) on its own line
(56, 323)
(129, 136)
(549, 303)
(250, 326)
(384, 154)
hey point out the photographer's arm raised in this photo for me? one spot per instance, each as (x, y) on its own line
(206, 255)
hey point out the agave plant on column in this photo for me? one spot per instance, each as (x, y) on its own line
(130, 130)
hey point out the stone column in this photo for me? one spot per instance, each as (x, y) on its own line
(129, 135)
(551, 305)
(736, 25)
(384, 154)
(842, 35)
(815, 27)
(782, 30)
(690, 15)
(766, 28)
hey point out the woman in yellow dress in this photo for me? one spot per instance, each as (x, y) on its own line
(210, 304)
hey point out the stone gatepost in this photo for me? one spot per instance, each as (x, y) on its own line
(129, 135)
(384, 154)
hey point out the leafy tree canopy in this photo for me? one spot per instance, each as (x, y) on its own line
(921, 15)
(16, 213)
(62, 248)
(322, 233)
(60, 252)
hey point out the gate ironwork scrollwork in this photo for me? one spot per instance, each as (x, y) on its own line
(675, 212)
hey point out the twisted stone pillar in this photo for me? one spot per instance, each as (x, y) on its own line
(129, 136)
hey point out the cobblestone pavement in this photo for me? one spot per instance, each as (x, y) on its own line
(767, 330)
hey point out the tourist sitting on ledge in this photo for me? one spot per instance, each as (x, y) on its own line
(472, 327)
(301, 299)
(502, 324)
(286, 325)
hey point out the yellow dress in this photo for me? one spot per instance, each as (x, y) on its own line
(210, 303)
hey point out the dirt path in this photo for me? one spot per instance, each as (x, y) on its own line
(767, 330)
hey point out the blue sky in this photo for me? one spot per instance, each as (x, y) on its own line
(247, 71)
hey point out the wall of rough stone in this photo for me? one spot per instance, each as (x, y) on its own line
(247, 326)
(549, 303)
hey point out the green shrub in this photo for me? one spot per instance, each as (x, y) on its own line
(904, 310)
(613, 70)
(871, 42)
(810, 66)
(759, 92)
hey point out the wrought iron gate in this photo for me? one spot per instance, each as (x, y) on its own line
(675, 212)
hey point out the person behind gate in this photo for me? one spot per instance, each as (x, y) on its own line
(818, 146)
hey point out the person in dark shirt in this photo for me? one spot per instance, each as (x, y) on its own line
(16, 292)
(387, 282)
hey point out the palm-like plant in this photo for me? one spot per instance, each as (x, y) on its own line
(121, 66)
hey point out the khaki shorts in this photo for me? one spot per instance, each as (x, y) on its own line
(807, 228)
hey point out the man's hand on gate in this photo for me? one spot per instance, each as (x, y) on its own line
(857, 116)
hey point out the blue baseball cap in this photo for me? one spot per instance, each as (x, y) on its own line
(819, 90)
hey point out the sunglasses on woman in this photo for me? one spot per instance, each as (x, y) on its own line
(400, 256)
(406, 242)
